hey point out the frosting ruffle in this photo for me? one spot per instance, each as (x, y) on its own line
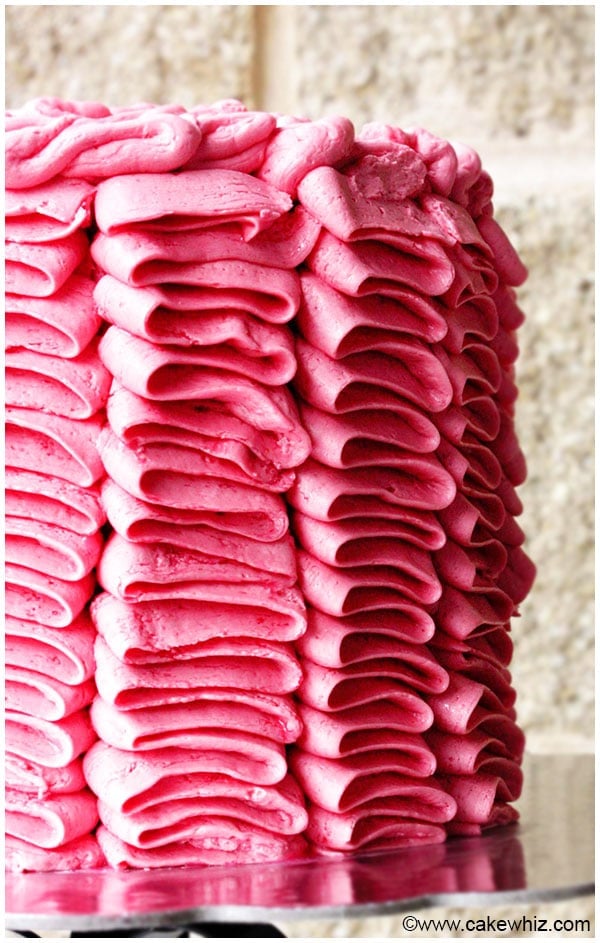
(260, 377)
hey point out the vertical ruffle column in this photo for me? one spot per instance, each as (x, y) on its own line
(195, 660)
(56, 390)
(370, 385)
(484, 572)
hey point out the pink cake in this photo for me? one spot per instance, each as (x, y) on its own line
(262, 549)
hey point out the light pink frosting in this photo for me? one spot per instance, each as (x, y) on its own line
(256, 665)
(62, 324)
(367, 268)
(76, 388)
(275, 555)
(69, 448)
(344, 785)
(134, 572)
(109, 771)
(270, 294)
(50, 743)
(80, 854)
(40, 695)
(268, 411)
(36, 779)
(418, 528)
(52, 821)
(401, 369)
(232, 137)
(262, 352)
(218, 842)
(38, 270)
(165, 474)
(333, 494)
(37, 597)
(277, 809)
(49, 137)
(272, 716)
(142, 522)
(52, 500)
(299, 146)
(375, 826)
(48, 212)
(156, 631)
(189, 200)
(275, 437)
(149, 313)
(67, 654)
(140, 257)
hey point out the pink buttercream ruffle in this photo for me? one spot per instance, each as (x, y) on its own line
(262, 549)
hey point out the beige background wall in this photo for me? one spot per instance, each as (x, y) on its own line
(515, 82)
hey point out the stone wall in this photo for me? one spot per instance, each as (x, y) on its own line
(516, 83)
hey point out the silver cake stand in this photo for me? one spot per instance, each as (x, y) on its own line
(548, 856)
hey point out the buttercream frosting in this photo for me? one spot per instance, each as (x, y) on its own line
(76, 387)
(62, 324)
(66, 654)
(80, 854)
(52, 137)
(48, 212)
(38, 270)
(52, 500)
(262, 549)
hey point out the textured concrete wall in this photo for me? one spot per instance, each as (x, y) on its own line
(487, 73)
(515, 82)
(125, 54)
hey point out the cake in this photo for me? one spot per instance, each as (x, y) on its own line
(262, 548)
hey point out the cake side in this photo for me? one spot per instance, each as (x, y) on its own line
(277, 357)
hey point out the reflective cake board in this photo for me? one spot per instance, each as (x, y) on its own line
(549, 855)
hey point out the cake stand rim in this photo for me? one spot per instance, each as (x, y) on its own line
(250, 914)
